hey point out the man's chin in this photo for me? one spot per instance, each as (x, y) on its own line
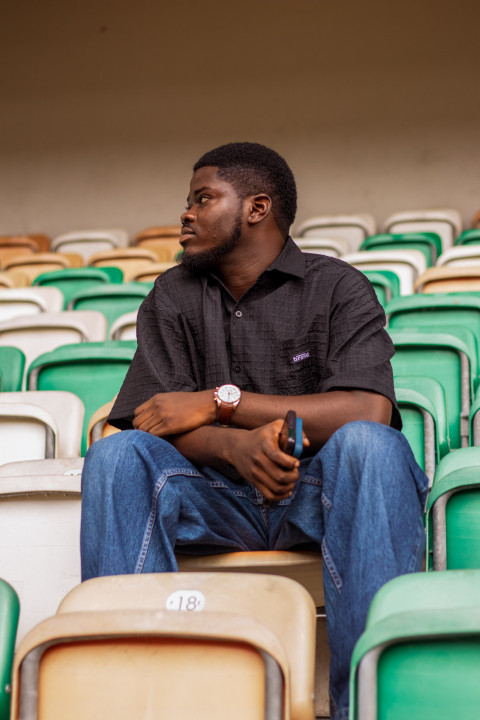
(198, 262)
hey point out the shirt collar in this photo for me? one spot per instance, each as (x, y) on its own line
(291, 260)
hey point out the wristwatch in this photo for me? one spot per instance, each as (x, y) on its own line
(227, 398)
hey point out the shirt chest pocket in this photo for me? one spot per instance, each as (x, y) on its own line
(301, 365)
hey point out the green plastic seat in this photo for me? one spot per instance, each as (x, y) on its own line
(93, 371)
(419, 657)
(12, 366)
(385, 283)
(73, 280)
(112, 300)
(450, 357)
(469, 237)
(429, 243)
(453, 512)
(422, 404)
(9, 613)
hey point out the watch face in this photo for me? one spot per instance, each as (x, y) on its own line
(229, 393)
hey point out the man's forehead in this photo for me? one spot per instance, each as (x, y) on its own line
(207, 177)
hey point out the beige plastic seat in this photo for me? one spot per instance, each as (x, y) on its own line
(36, 425)
(127, 259)
(460, 256)
(407, 264)
(88, 242)
(39, 534)
(15, 302)
(11, 246)
(37, 263)
(444, 221)
(448, 278)
(303, 567)
(13, 278)
(41, 241)
(124, 327)
(98, 427)
(351, 228)
(37, 334)
(148, 272)
(163, 240)
(207, 646)
(323, 246)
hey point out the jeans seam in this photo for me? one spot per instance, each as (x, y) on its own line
(337, 580)
(147, 535)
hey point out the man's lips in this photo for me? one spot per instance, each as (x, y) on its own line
(185, 234)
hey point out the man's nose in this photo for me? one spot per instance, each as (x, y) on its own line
(187, 217)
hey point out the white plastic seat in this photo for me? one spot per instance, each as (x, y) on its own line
(36, 425)
(460, 256)
(323, 246)
(29, 301)
(88, 242)
(124, 327)
(444, 221)
(37, 334)
(39, 534)
(407, 264)
(352, 228)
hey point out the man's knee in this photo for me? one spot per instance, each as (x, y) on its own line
(364, 438)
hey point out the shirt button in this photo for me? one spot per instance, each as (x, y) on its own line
(237, 368)
(239, 313)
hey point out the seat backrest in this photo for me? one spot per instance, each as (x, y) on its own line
(445, 222)
(72, 280)
(36, 425)
(149, 272)
(124, 327)
(428, 243)
(9, 612)
(88, 242)
(12, 366)
(323, 246)
(112, 300)
(469, 237)
(98, 427)
(93, 371)
(352, 228)
(29, 301)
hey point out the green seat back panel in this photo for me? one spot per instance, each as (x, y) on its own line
(386, 279)
(9, 613)
(463, 530)
(469, 237)
(435, 680)
(414, 430)
(12, 365)
(73, 280)
(111, 300)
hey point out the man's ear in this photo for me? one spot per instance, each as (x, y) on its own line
(259, 206)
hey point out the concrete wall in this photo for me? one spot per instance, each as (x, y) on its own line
(106, 104)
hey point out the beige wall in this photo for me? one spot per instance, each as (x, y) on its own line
(106, 104)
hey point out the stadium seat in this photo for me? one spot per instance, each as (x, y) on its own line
(323, 246)
(40, 533)
(127, 259)
(124, 327)
(449, 358)
(407, 264)
(422, 404)
(450, 278)
(98, 427)
(88, 242)
(469, 237)
(38, 425)
(9, 612)
(112, 300)
(453, 512)
(12, 366)
(72, 280)
(385, 283)
(460, 256)
(42, 241)
(445, 222)
(474, 420)
(148, 273)
(353, 228)
(14, 246)
(162, 240)
(36, 334)
(475, 221)
(93, 371)
(29, 301)
(242, 646)
(428, 243)
(419, 656)
(303, 567)
(36, 263)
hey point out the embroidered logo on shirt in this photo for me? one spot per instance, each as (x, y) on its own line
(301, 356)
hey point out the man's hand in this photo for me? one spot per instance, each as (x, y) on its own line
(257, 457)
(175, 412)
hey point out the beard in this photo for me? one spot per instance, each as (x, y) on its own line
(203, 262)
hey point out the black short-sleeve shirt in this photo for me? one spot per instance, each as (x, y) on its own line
(310, 324)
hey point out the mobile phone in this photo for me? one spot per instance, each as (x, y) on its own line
(291, 436)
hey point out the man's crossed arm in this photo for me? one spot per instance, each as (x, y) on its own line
(186, 419)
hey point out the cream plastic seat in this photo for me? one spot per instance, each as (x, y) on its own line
(303, 567)
(449, 278)
(148, 272)
(39, 533)
(37, 263)
(127, 259)
(351, 228)
(323, 246)
(37, 334)
(124, 327)
(29, 301)
(98, 427)
(444, 221)
(207, 646)
(460, 256)
(163, 240)
(407, 264)
(88, 242)
(36, 425)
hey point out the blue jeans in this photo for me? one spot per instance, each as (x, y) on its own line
(359, 501)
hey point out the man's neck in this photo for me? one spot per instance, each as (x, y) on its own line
(240, 270)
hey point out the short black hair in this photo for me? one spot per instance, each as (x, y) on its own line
(253, 168)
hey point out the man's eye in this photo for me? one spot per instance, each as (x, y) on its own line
(202, 199)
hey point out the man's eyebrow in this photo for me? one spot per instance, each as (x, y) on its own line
(205, 187)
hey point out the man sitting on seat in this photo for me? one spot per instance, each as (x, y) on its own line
(246, 328)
